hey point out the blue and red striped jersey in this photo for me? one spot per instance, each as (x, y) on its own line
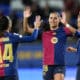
(8, 50)
(54, 43)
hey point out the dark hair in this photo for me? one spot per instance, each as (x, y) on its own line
(55, 12)
(4, 24)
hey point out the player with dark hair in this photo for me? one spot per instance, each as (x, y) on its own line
(54, 43)
(8, 48)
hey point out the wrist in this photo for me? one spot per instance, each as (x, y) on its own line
(67, 25)
(36, 28)
(25, 19)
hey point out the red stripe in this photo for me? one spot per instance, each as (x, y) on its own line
(67, 30)
(2, 69)
(2, 72)
(48, 49)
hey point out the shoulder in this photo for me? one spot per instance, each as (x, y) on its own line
(17, 35)
(14, 36)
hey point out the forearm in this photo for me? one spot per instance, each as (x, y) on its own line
(74, 31)
(71, 28)
(64, 21)
(30, 38)
(26, 26)
(35, 34)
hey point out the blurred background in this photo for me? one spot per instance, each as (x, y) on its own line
(30, 54)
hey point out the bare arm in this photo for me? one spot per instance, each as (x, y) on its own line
(63, 20)
(26, 26)
(27, 14)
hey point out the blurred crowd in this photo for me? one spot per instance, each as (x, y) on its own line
(72, 8)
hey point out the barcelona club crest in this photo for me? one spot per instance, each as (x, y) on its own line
(54, 40)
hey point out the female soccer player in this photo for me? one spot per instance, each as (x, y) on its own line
(8, 47)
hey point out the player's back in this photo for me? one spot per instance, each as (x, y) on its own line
(8, 56)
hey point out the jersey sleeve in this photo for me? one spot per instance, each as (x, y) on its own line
(77, 34)
(20, 38)
(67, 31)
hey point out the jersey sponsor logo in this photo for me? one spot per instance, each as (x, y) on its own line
(6, 54)
(54, 40)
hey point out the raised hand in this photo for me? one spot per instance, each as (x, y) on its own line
(38, 21)
(63, 18)
(27, 12)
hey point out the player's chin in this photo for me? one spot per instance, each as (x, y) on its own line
(54, 26)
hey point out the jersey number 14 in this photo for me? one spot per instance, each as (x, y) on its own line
(6, 53)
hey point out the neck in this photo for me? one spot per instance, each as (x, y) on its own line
(54, 28)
